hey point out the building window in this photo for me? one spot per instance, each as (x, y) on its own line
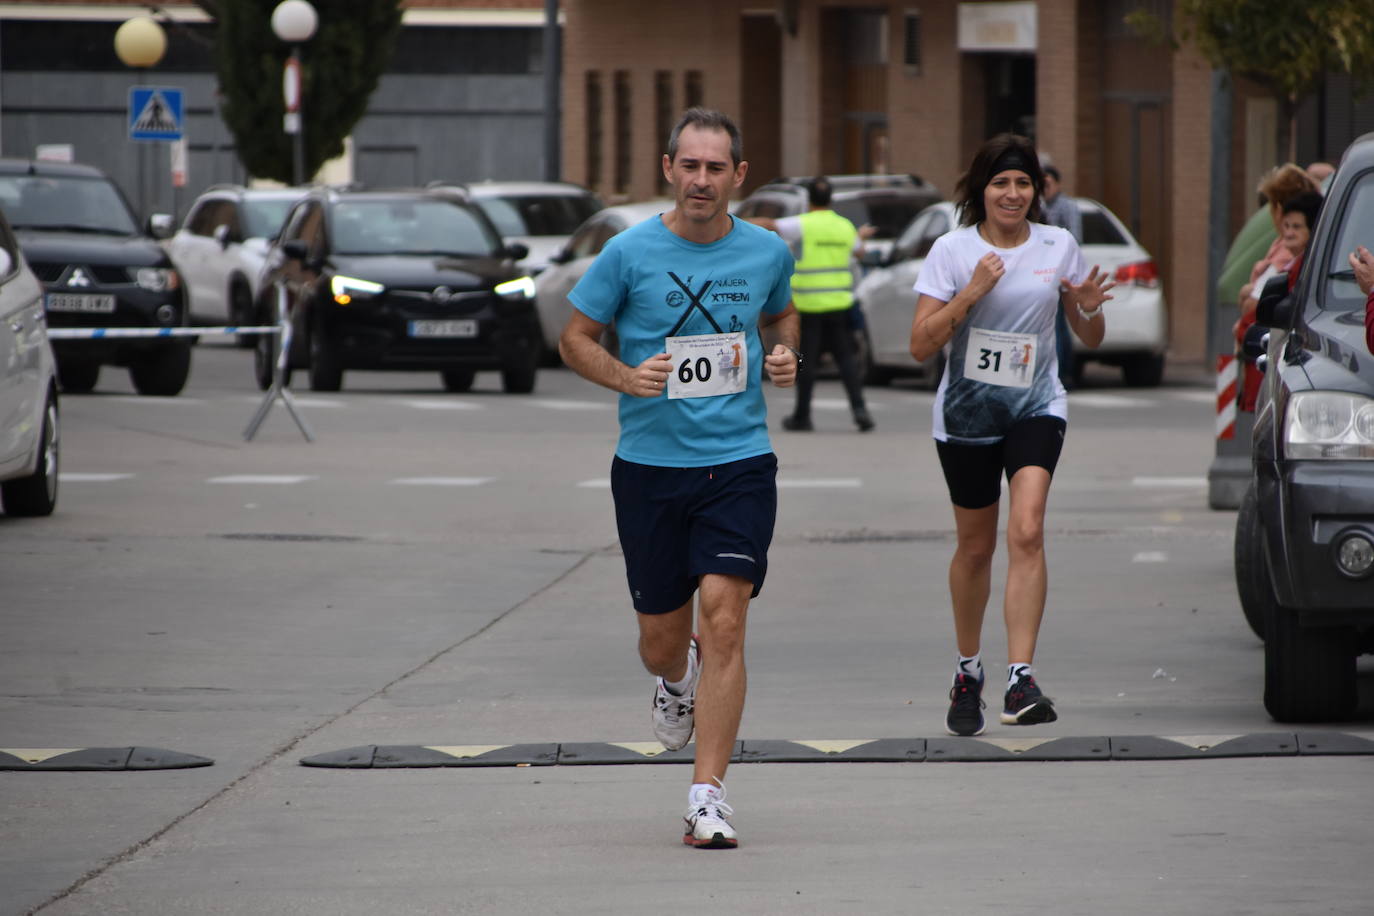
(664, 115)
(593, 131)
(623, 146)
(691, 86)
(911, 42)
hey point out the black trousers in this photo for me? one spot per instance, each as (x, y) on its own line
(827, 332)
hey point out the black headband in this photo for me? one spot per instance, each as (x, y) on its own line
(1012, 159)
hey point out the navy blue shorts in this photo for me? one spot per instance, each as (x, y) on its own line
(973, 472)
(678, 524)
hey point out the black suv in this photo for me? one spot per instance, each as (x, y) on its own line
(1304, 549)
(406, 279)
(99, 268)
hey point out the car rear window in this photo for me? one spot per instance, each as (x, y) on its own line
(1099, 230)
(1356, 228)
(430, 226)
(66, 203)
(539, 214)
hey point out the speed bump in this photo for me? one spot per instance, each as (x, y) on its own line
(871, 750)
(1332, 743)
(971, 750)
(394, 756)
(97, 758)
(595, 753)
(1188, 747)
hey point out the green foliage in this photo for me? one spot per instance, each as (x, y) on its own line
(342, 64)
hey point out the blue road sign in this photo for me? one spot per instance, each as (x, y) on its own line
(155, 113)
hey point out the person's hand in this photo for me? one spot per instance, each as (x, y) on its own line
(867, 231)
(648, 378)
(1092, 292)
(986, 273)
(1363, 263)
(781, 365)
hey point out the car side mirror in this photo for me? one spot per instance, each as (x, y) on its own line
(871, 257)
(1275, 308)
(221, 235)
(296, 250)
(517, 251)
(561, 256)
(1256, 342)
(160, 225)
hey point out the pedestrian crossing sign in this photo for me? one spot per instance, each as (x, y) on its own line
(155, 113)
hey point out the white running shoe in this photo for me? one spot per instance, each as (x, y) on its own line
(673, 716)
(707, 824)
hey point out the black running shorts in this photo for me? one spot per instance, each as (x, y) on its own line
(973, 472)
(678, 524)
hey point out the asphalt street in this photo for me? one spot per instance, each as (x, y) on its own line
(442, 570)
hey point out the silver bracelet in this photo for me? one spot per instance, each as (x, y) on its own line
(1090, 315)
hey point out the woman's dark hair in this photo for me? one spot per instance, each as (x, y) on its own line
(1308, 203)
(998, 154)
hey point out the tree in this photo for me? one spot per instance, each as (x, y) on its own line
(342, 64)
(1286, 46)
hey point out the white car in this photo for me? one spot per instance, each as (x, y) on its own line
(566, 266)
(540, 215)
(28, 389)
(1137, 317)
(221, 247)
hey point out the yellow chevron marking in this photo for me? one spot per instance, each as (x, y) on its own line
(465, 751)
(1201, 742)
(834, 747)
(38, 754)
(1016, 745)
(643, 748)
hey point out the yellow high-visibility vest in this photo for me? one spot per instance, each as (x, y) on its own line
(823, 281)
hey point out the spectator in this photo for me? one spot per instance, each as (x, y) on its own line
(1363, 263)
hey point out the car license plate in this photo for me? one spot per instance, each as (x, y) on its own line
(454, 327)
(73, 302)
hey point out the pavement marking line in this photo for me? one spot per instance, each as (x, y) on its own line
(77, 477)
(38, 754)
(465, 751)
(443, 405)
(1200, 742)
(598, 483)
(843, 404)
(833, 747)
(1150, 556)
(318, 402)
(643, 748)
(819, 483)
(570, 405)
(441, 481)
(153, 399)
(1168, 482)
(1108, 401)
(262, 478)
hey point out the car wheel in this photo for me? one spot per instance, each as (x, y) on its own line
(326, 369)
(36, 494)
(1143, 370)
(458, 380)
(241, 312)
(77, 376)
(1252, 575)
(1309, 672)
(519, 380)
(164, 371)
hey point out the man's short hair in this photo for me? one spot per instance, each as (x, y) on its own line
(1053, 172)
(818, 191)
(707, 119)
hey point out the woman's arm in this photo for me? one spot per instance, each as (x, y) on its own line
(936, 322)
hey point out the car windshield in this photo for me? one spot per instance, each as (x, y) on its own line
(422, 227)
(538, 214)
(1356, 228)
(68, 203)
(262, 219)
(888, 215)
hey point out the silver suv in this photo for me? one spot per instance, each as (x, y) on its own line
(540, 215)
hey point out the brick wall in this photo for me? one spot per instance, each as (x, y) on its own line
(1187, 280)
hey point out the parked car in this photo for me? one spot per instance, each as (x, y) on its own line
(540, 215)
(221, 248)
(405, 279)
(567, 265)
(1137, 317)
(28, 389)
(99, 268)
(886, 202)
(1304, 545)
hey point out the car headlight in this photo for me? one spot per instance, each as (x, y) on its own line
(346, 289)
(517, 290)
(157, 279)
(1329, 424)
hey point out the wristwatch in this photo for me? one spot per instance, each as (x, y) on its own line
(797, 354)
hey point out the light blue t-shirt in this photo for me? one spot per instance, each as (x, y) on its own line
(655, 284)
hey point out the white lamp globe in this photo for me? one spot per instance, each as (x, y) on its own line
(140, 42)
(294, 21)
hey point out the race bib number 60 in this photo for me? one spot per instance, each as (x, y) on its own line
(1000, 358)
(707, 365)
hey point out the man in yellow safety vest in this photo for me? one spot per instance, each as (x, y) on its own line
(823, 295)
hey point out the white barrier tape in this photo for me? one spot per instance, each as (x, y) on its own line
(98, 333)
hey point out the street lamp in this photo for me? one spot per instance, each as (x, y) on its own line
(294, 21)
(140, 44)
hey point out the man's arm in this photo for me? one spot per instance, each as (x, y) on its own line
(785, 329)
(580, 347)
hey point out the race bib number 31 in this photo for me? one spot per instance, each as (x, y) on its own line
(1000, 358)
(707, 365)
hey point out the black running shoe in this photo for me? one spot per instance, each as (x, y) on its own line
(797, 424)
(1026, 705)
(965, 706)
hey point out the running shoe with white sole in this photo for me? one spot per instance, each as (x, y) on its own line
(707, 824)
(674, 716)
(1026, 705)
